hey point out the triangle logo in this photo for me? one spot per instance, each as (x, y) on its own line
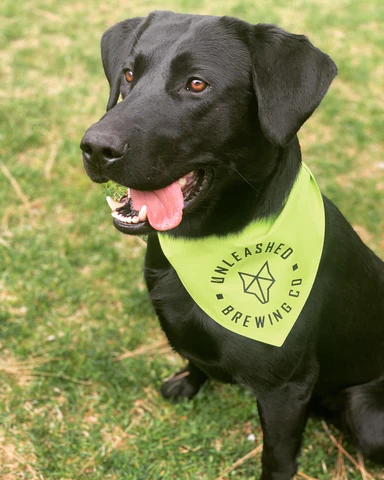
(258, 285)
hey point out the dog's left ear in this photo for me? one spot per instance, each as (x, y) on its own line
(116, 44)
(290, 78)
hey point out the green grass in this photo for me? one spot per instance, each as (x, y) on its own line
(114, 190)
(72, 297)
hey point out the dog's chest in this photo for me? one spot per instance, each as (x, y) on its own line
(187, 327)
(220, 353)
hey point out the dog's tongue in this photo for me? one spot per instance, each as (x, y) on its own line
(164, 206)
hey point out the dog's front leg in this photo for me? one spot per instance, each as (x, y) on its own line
(184, 384)
(283, 414)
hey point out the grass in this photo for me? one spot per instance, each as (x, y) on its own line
(74, 403)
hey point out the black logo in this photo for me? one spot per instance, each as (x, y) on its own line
(259, 284)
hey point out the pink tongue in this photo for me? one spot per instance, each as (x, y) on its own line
(164, 207)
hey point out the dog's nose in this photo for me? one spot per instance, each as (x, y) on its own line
(102, 149)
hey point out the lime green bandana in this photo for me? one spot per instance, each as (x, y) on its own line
(256, 283)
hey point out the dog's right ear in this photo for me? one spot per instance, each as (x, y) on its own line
(116, 43)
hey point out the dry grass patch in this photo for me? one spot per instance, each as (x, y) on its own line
(21, 371)
(17, 461)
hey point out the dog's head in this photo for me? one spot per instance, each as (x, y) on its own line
(209, 111)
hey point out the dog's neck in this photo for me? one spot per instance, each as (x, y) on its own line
(278, 186)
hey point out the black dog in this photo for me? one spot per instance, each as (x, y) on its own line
(213, 105)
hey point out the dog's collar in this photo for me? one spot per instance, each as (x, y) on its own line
(256, 283)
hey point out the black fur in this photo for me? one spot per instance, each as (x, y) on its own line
(264, 83)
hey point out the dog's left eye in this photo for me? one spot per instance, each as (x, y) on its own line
(196, 85)
(128, 76)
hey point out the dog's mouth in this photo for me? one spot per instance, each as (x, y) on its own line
(160, 209)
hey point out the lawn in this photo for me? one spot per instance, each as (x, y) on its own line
(81, 352)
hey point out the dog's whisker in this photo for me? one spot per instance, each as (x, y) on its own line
(250, 184)
(162, 170)
(249, 92)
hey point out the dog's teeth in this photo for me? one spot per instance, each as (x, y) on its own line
(124, 219)
(129, 193)
(182, 181)
(135, 219)
(120, 217)
(143, 213)
(114, 205)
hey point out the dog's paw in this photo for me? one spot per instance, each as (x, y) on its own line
(183, 384)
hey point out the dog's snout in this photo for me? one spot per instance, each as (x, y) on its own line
(102, 149)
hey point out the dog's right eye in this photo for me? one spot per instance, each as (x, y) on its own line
(128, 76)
(196, 85)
